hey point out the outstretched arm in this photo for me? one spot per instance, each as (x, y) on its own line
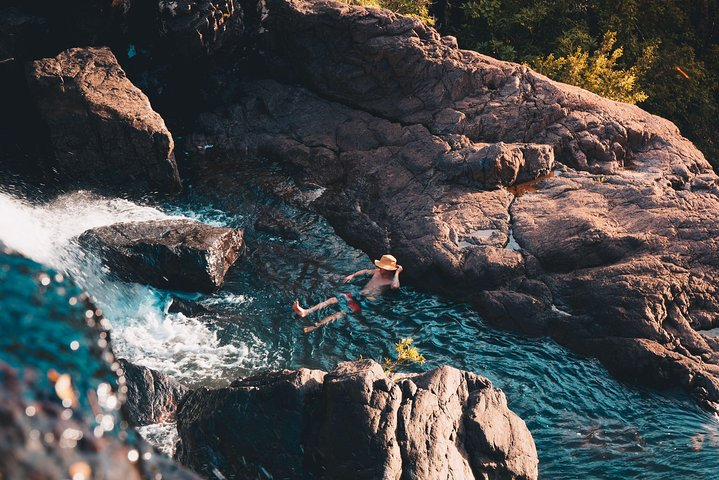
(349, 278)
(395, 280)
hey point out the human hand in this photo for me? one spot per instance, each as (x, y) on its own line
(399, 268)
(348, 278)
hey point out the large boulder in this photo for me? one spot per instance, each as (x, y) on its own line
(173, 254)
(152, 397)
(356, 423)
(414, 141)
(102, 128)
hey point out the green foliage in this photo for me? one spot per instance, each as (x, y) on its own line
(598, 72)
(413, 8)
(406, 354)
(487, 10)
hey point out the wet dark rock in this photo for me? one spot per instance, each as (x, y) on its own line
(187, 307)
(102, 128)
(152, 397)
(178, 29)
(273, 221)
(355, 423)
(171, 254)
(191, 28)
(413, 141)
(58, 379)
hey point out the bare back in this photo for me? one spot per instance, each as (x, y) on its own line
(380, 282)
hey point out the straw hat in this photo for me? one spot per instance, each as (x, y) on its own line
(387, 262)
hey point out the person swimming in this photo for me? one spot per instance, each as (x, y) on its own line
(385, 277)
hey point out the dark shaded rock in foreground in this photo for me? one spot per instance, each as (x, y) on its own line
(152, 397)
(355, 423)
(102, 128)
(60, 392)
(171, 254)
(615, 254)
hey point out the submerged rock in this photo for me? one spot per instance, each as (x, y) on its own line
(187, 307)
(102, 128)
(355, 423)
(274, 221)
(171, 254)
(152, 397)
(412, 139)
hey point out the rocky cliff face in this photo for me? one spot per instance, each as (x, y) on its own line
(612, 253)
(355, 423)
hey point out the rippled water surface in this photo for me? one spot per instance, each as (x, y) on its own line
(586, 424)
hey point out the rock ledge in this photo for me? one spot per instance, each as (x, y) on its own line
(355, 423)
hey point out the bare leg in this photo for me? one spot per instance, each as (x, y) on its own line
(302, 312)
(324, 321)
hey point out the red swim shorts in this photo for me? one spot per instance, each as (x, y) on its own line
(352, 303)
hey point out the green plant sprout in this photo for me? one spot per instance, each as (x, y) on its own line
(413, 8)
(406, 353)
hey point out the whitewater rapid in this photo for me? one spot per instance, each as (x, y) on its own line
(143, 332)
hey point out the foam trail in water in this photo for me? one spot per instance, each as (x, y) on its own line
(183, 347)
(164, 436)
(44, 232)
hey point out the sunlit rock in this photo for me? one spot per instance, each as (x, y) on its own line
(172, 254)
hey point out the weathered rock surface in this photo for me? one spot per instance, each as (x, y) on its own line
(152, 397)
(102, 128)
(171, 254)
(355, 423)
(614, 253)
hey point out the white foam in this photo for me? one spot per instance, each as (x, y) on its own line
(225, 298)
(163, 436)
(43, 232)
(183, 347)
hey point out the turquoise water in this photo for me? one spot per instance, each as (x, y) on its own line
(585, 424)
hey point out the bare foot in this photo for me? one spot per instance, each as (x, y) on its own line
(299, 310)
